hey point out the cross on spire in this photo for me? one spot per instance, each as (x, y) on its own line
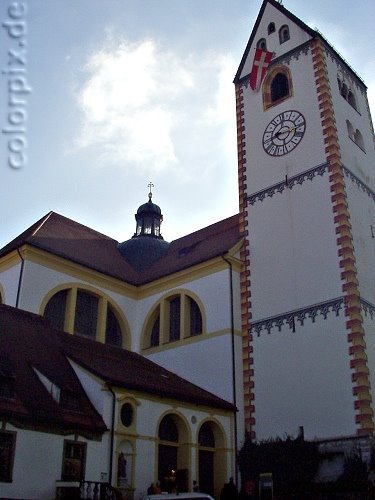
(150, 185)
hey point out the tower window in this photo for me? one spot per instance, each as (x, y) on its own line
(271, 28)
(174, 319)
(284, 34)
(55, 309)
(346, 92)
(279, 87)
(86, 314)
(262, 44)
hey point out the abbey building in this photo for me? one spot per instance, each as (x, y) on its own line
(134, 362)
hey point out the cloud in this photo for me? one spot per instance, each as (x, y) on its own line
(150, 107)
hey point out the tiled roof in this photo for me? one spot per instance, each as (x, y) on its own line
(29, 343)
(125, 369)
(66, 238)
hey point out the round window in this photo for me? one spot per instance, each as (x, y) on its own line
(126, 414)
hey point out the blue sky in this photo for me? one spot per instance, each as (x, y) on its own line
(124, 92)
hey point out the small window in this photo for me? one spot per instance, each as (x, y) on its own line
(55, 309)
(350, 128)
(86, 314)
(155, 332)
(73, 461)
(271, 28)
(262, 44)
(284, 34)
(174, 318)
(195, 318)
(126, 414)
(279, 87)
(7, 448)
(113, 334)
(358, 139)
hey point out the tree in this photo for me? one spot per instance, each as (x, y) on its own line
(293, 463)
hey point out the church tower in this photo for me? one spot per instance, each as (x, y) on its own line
(306, 167)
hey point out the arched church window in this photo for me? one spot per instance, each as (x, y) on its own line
(88, 315)
(279, 87)
(271, 28)
(206, 436)
(168, 430)
(55, 309)
(284, 34)
(176, 317)
(262, 44)
(351, 99)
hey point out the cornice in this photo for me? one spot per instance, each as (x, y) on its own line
(289, 183)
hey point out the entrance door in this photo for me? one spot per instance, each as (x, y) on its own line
(206, 471)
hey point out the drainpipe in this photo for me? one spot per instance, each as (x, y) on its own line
(112, 434)
(233, 364)
(20, 278)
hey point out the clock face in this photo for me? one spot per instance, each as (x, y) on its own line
(284, 133)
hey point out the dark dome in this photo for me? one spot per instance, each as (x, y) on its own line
(142, 251)
(149, 208)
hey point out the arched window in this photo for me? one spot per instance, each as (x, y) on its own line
(84, 313)
(168, 429)
(176, 317)
(358, 139)
(262, 44)
(350, 128)
(284, 33)
(279, 87)
(206, 436)
(351, 99)
(271, 28)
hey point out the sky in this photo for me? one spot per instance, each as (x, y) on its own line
(115, 94)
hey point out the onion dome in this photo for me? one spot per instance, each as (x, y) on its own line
(147, 244)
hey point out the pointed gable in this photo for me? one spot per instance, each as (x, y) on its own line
(271, 19)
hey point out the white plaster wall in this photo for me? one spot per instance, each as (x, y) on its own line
(304, 378)
(206, 363)
(38, 464)
(293, 251)
(362, 216)
(369, 327)
(9, 282)
(297, 36)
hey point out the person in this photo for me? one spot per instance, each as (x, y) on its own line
(151, 489)
(248, 490)
(229, 491)
(195, 487)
